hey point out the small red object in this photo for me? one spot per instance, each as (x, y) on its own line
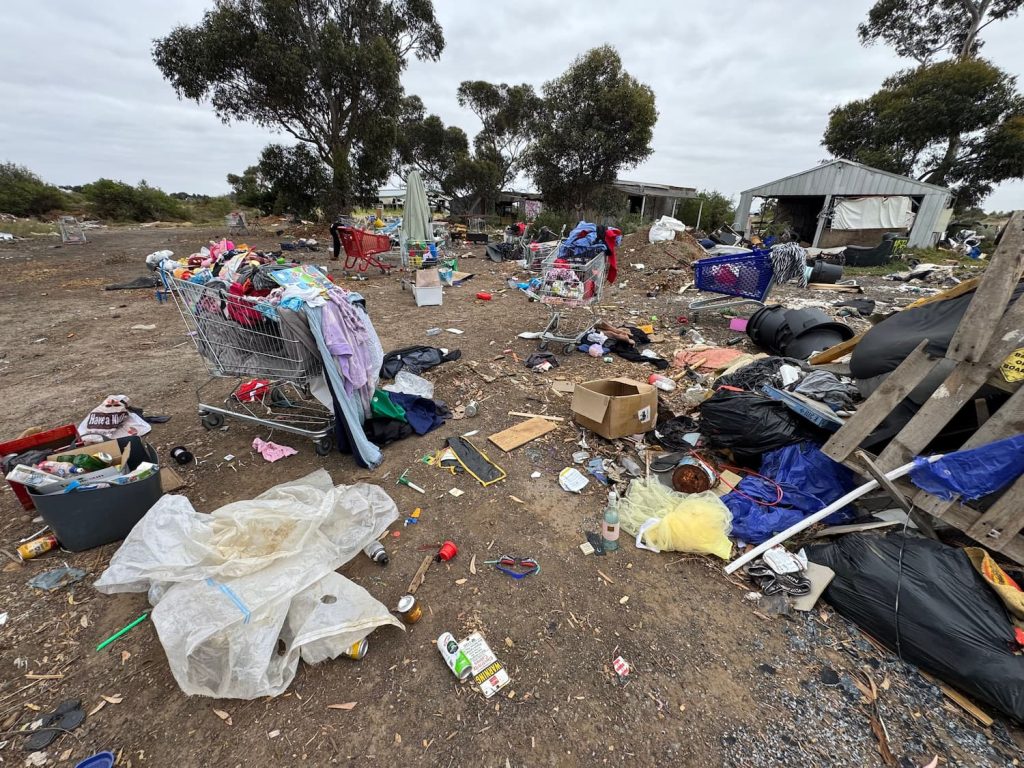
(395, 534)
(484, 296)
(447, 551)
(621, 667)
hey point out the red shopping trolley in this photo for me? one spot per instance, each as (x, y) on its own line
(361, 248)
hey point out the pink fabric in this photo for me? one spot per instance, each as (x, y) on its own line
(715, 358)
(272, 451)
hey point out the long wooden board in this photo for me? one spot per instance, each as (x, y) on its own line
(522, 433)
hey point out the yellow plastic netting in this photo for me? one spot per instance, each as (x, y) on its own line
(695, 522)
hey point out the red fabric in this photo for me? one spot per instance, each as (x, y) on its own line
(252, 390)
(241, 311)
(610, 234)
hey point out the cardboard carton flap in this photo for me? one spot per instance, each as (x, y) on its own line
(589, 404)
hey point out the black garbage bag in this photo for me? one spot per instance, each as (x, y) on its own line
(748, 423)
(951, 623)
(415, 360)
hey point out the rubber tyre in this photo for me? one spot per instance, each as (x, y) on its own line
(212, 420)
(323, 446)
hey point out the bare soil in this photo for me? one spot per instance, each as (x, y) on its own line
(713, 683)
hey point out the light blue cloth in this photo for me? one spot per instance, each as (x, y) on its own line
(352, 409)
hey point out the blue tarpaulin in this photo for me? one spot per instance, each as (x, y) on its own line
(810, 481)
(973, 473)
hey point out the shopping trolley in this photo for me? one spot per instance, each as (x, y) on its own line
(569, 289)
(361, 248)
(256, 373)
(742, 278)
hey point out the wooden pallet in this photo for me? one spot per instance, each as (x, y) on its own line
(987, 334)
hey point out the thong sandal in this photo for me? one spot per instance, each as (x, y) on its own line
(66, 717)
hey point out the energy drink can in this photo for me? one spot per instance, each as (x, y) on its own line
(36, 547)
(376, 552)
(409, 609)
(456, 659)
(358, 649)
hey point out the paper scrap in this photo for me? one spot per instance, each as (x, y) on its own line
(488, 672)
(456, 492)
(572, 480)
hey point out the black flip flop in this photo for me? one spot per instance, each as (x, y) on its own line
(68, 716)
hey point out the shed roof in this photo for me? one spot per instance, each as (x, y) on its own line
(653, 190)
(845, 177)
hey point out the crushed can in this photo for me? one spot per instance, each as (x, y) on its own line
(456, 659)
(358, 649)
(37, 547)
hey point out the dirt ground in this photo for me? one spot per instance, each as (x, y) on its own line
(713, 681)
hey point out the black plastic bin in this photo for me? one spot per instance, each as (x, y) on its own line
(85, 519)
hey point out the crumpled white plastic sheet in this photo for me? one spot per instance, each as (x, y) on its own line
(241, 594)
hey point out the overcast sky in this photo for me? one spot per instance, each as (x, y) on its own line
(743, 88)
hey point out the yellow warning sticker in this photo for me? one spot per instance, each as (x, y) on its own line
(1013, 366)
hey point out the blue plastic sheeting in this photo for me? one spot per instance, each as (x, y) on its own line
(810, 481)
(973, 473)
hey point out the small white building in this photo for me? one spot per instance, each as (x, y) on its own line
(846, 203)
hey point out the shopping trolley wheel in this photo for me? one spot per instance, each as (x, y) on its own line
(543, 345)
(323, 446)
(212, 420)
(568, 348)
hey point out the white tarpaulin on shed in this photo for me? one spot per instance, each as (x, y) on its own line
(872, 213)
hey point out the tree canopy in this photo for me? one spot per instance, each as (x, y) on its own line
(923, 29)
(285, 180)
(957, 122)
(595, 120)
(327, 72)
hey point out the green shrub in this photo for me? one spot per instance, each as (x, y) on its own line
(117, 201)
(22, 193)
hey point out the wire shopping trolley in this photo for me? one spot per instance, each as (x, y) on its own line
(362, 247)
(741, 278)
(258, 372)
(568, 289)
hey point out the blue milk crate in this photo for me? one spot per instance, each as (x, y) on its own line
(748, 275)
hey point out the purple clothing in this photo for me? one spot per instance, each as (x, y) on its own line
(349, 342)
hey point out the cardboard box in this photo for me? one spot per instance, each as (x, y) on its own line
(428, 288)
(615, 407)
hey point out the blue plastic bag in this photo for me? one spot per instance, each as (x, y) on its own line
(810, 481)
(972, 473)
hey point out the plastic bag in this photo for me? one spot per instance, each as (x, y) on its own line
(809, 480)
(411, 384)
(695, 522)
(665, 228)
(951, 623)
(748, 423)
(224, 585)
(972, 473)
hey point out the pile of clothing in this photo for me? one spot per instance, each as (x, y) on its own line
(587, 241)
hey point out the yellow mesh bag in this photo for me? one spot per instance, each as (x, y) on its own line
(695, 522)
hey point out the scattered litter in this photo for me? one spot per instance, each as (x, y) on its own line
(122, 632)
(229, 457)
(223, 716)
(3, 618)
(403, 480)
(622, 668)
(456, 331)
(572, 480)
(488, 672)
(522, 433)
(535, 475)
(56, 578)
(143, 327)
(272, 451)
(347, 706)
(587, 548)
(456, 492)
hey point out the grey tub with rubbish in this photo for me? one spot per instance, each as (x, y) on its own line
(85, 519)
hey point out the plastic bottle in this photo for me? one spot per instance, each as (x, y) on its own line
(664, 383)
(695, 336)
(610, 526)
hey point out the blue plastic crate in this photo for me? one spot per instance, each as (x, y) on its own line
(742, 274)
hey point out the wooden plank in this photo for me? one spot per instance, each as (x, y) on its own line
(522, 433)
(535, 416)
(956, 391)
(957, 290)
(960, 700)
(897, 496)
(1006, 422)
(420, 575)
(834, 353)
(876, 408)
(978, 324)
(1003, 520)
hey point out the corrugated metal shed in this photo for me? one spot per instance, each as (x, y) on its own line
(845, 178)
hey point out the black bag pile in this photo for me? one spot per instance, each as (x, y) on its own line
(950, 622)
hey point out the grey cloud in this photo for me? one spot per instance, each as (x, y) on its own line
(743, 88)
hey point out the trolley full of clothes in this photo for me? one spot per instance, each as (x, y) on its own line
(285, 347)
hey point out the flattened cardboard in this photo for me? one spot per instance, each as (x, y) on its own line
(615, 407)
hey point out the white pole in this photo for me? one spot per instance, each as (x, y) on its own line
(807, 522)
(700, 210)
